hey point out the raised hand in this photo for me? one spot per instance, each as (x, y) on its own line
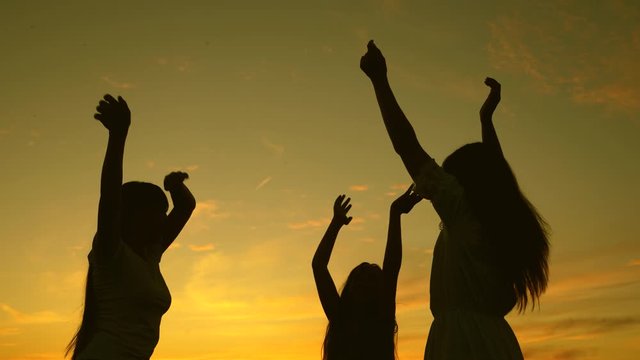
(114, 114)
(340, 209)
(405, 202)
(492, 101)
(373, 63)
(174, 179)
(492, 83)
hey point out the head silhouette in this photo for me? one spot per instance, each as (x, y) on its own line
(515, 231)
(361, 329)
(144, 211)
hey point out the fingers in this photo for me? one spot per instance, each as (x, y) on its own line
(371, 46)
(348, 220)
(110, 99)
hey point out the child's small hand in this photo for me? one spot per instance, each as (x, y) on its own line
(340, 209)
(114, 114)
(174, 179)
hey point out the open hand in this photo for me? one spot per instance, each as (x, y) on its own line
(174, 179)
(340, 209)
(406, 201)
(113, 114)
(373, 63)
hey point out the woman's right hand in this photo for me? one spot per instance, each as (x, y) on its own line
(114, 114)
(340, 209)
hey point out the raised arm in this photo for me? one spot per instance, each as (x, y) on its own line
(489, 136)
(324, 283)
(400, 131)
(183, 205)
(116, 117)
(393, 252)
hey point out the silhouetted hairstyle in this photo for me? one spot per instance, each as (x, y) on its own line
(137, 197)
(516, 231)
(361, 329)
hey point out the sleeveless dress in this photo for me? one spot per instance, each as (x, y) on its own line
(467, 298)
(130, 297)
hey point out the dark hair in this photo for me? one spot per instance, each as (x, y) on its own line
(361, 330)
(517, 233)
(86, 329)
(137, 197)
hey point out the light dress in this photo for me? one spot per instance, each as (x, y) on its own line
(468, 299)
(130, 297)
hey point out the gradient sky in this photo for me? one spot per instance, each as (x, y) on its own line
(265, 107)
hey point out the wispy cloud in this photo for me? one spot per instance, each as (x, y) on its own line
(8, 331)
(275, 149)
(209, 209)
(634, 262)
(117, 84)
(180, 64)
(39, 317)
(264, 182)
(587, 284)
(201, 248)
(359, 187)
(313, 224)
(568, 53)
(572, 328)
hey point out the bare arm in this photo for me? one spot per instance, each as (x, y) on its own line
(393, 251)
(116, 117)
(489, 135)
(327, 290)
(183, 205)
(400, 131)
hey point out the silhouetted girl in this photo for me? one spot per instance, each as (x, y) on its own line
(362, 322)
(126, 295)
(491, 254)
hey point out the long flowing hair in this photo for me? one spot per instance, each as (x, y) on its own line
(517, 233)
(361, 329)
(136, 197)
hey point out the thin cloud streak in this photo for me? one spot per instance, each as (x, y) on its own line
(118, 84)
(40, 317)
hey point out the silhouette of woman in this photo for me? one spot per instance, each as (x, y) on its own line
(125, 295)
(362, 322)
(491, 254)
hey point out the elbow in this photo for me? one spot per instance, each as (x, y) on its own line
(317, 264)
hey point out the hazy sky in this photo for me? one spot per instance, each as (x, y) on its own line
(264, 105)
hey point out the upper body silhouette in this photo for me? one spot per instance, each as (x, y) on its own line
(126, 295)
(491, 253)
(362, 318)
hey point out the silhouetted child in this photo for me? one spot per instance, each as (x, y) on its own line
(362, 322)
(491, 254)
(125, 294)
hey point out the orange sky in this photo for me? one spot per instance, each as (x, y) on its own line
(266, 108)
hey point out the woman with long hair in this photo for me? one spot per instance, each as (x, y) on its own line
(361, 318)
(125, 295)
(491, 254)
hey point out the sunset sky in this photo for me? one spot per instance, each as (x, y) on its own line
(264, 105)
